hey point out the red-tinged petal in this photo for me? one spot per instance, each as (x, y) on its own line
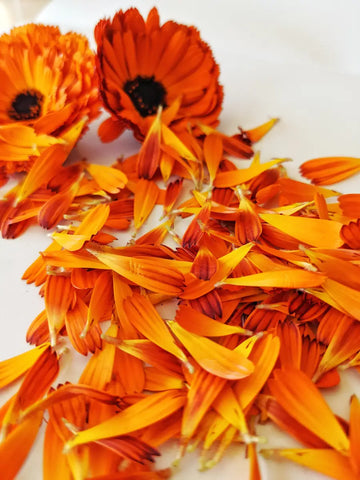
(110, 179)
(75, 393)
(247, 225)
(54, 209)
(204, 389)
(38, 379)
(146, 411)
(205, 264)
(146, 194)
(14, 368)
(328, 170)
(212, 356)
(75, 322)
(38, 331)
(144, 317)
(46, 166)
(310, 409)
(173, 191)
(195, 230)
(350, 204)
(59, 296)
(15, 448)
(110, 129)
(312, 231)
(213, 151)
(290, 345)
(288, 424)
(129, 447)
(196, 287)
(350, 234)
(101, 301)
(209, 304)
(149, 154)
(326, 461)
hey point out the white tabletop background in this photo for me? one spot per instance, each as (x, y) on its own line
(296, 60)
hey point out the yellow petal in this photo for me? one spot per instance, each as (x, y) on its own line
(289, 278)
(146, 411)
(109, 179)
(15, 367)
(312, 231)
(326, 461)
(213, 357)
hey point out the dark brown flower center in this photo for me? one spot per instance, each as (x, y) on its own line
(27, 105)
(146, 94)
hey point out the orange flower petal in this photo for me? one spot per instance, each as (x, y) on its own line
(13, 368)
(355, 434)
(144, 317)
(154, 274)
(44, 168)
(145, 412)
(328, 170)
(109, 179)
(59, 296)
(146, 194)
(15, 448)
(326, 461)
(237, 177)
(310, 409)
(289, 278)
(312, 231)
(149, 154)
(256, 134)
(195, 322)
(212, 356)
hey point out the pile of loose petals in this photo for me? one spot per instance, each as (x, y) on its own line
(243, 293)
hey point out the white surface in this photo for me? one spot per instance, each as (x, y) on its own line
(295, 60)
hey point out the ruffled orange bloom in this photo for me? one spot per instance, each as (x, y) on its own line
(143, 66)
(47, 86)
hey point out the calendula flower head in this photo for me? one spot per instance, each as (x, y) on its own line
(48, 86)
(143, 66)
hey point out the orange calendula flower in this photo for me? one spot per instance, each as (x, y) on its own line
(47, 86)
(143, 66)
